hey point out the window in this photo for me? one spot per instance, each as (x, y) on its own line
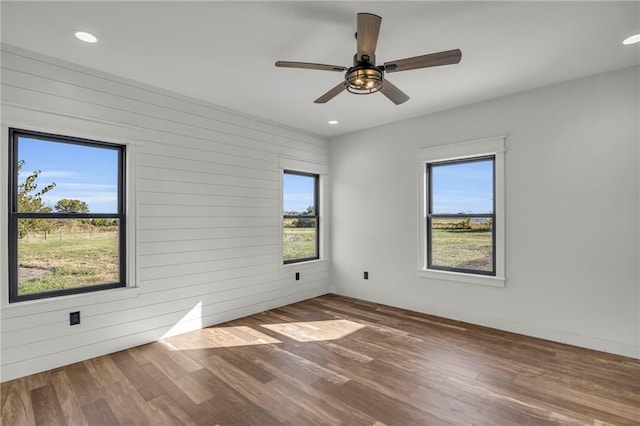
(301, 220)
(460, 232)
(462, 222)
(66, 215)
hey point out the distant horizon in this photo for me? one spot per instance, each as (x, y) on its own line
(90, 174)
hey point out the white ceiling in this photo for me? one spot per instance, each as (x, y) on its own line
(223, 52)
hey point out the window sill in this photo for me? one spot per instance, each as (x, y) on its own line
(301, 264)
(28, 307)
(463, 278)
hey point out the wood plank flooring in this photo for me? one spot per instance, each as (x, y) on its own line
(335, 360)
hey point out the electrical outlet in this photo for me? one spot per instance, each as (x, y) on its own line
(297, 276)
(74, 318)
(366, 275)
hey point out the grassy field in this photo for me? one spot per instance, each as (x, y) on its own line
(298, 243)
(70, 260)
(73, 260)
(463, 248)
(453, 248)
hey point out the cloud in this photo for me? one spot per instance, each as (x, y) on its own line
(100, 197)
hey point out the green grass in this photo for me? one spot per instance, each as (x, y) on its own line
(73, 260)
(298, 243)
(80, 259)
(464, 248)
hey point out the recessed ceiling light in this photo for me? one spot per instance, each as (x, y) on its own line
(332, 121)
(85, 36)
(632, 40)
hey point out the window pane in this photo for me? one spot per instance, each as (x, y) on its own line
(462, 243)
(462, 187)
(299, 194)
(299, 239)
(69, 177)
(56, 254)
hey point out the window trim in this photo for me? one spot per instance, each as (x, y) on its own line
(288, 162)
(316, 216)
(457, 152)
(14, 215)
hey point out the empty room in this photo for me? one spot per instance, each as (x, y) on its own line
(363, 213)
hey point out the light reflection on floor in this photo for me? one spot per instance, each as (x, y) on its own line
(221, 337)
(314, 331)
(227, 337)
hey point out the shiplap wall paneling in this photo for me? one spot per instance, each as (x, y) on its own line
(207, 204)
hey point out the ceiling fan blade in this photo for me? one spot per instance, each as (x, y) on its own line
(394, 94)
(311, 66)
(367, 35)
(431, 60)
(331, 94)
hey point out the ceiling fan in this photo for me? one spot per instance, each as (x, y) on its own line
(364, 77)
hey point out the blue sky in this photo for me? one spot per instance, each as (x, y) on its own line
(298, 192)
(90, 174)
(463, 187)
(80, 172)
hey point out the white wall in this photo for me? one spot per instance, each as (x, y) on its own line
(208, 205)
(571, 203)
(572, 213)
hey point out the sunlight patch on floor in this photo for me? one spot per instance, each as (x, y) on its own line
(314, 331)
(221, 337)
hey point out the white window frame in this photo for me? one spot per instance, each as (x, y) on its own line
(458, 151)
(53, 122)
(320, 169)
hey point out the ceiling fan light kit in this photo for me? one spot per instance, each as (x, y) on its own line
(363, 80)
(364, 77)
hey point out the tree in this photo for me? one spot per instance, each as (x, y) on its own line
(104, 223)
(30, 201)
(306, 222)
(66, 205)
(71, 206)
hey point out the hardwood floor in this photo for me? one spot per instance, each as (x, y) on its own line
(335, 360)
